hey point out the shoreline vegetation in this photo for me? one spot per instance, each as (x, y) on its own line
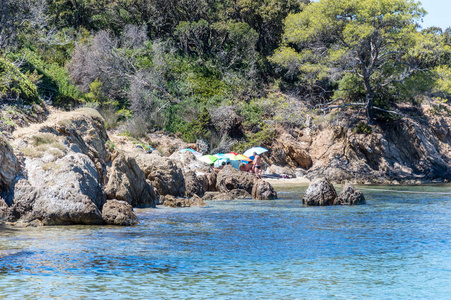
(84, 90)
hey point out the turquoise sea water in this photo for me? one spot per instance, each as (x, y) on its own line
(398, 246)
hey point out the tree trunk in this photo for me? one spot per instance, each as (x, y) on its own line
(369, 97)
(369, 107)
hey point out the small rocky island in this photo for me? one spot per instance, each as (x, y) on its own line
(321, 192)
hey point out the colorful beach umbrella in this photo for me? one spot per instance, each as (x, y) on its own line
(258, 150)
(236, 156)
(209, 159)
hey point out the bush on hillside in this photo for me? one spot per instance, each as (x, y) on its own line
(15, 86)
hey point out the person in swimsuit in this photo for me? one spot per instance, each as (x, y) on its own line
(257, 165)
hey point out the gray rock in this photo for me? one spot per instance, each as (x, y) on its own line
(120, 213)
(349, 195)
(230, 178)
(196, 201)
(320, 193)
(263, 190)
(166, 177)
(127, 182)
(65, 192)
(9, 165)
(192, 185)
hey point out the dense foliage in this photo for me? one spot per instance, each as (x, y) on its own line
(218, 70)
(372, 50)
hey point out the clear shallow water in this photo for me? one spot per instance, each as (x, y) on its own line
(398, 246)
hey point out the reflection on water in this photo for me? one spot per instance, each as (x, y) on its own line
(396, 246)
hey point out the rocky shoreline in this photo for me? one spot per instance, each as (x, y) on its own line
(68, 169)
(64, 171)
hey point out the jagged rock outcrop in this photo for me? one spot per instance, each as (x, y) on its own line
(319, 193)
(263, 190)
(349, 195)
(9, 165)
(409, 150)
(120, 213)
(166, 176)
(230, 178)
(127, 182)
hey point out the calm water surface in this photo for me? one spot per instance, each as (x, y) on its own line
(398, 246)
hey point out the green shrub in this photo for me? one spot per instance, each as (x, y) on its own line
(262, 137)
(15, 85)
(54, 83)
(362, 128)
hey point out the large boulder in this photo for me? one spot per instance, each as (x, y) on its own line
(64, 167)
(230, 178)
(9, 165)
(62, 192)
(349, 195)
(118, 213)
(127, 182)
(166, 177)
(193, 185)
(320, 193)
(263, 190)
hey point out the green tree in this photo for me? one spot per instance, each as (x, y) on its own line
(366, 46)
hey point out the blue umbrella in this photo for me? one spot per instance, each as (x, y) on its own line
(197, 154)
(187, 149)
(258, 150)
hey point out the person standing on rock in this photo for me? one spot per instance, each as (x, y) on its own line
(257, 165)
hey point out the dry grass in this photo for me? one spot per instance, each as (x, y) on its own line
(56, 153)
(43, 139)
(58, 145)
(90, 112)
(31, 152)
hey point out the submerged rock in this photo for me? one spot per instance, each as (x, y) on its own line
(172, 201)
(349, 195)
(320, 193)
(263, 190)
(235, 194)
(197, 201)
(118, 213)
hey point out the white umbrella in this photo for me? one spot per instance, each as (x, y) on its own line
(258, 150)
